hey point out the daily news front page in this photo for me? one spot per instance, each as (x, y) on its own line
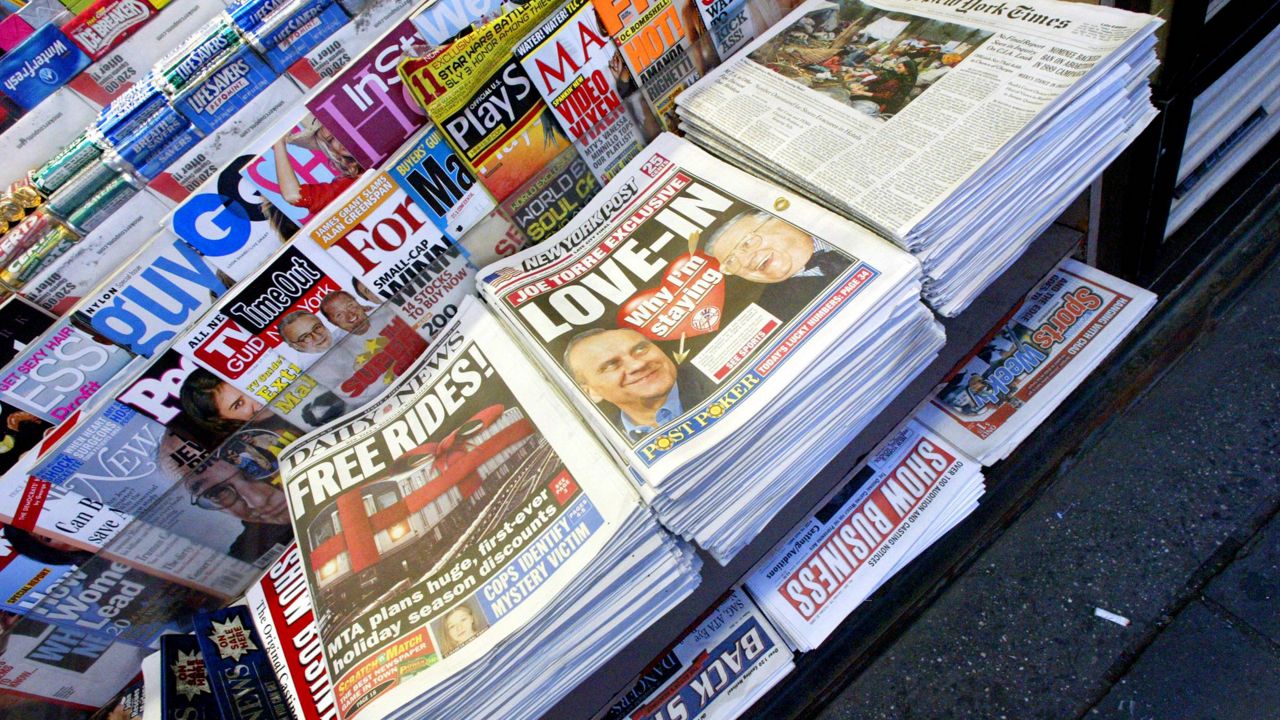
(446, 515)
(887, 157)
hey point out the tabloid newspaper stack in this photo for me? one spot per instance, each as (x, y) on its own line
(470, 550)
(1007, 385)
(960, 130)
(724, 337)
(909, 491)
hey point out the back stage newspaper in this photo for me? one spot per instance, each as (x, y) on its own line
(446, 516)
(720, 665)
(861, 99)
(707, 277)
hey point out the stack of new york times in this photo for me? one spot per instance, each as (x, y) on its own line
(908, 492)
(959, 131)
(724, 337)
(470, 550)
(1006, 386)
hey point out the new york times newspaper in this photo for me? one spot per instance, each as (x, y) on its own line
(713, 280)
(445, 516)
(862, 99)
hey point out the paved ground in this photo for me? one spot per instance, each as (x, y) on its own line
(1167, 520)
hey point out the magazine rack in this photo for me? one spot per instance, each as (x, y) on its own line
(1131, 213)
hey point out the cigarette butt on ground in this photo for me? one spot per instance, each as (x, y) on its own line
(1120, 620)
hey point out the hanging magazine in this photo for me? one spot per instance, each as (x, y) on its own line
(569, 59)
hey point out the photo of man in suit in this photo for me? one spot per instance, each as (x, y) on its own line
(625, 369)
(762, 248)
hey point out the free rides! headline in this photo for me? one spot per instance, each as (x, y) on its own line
(503, 567)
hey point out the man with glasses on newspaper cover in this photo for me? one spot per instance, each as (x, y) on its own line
(762, 248)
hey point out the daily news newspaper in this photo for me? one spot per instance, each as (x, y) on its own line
(656, 263)
(473, 469)
(862, 99)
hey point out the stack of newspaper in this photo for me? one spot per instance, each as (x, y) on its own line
(469, 549)
(910, 490)
(723, 336)
(960, 130)
(1016, 376)
(715, 670)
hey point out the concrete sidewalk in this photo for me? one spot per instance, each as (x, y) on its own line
(1166, 520)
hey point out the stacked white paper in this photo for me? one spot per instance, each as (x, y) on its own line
(910, 490)
(724, 337)
(959, 135)
(640, 576)
(1063, 329)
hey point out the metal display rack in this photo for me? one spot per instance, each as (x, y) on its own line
(1138, 189)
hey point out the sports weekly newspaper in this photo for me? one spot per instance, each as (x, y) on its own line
(1019, 373)
(472, 468)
